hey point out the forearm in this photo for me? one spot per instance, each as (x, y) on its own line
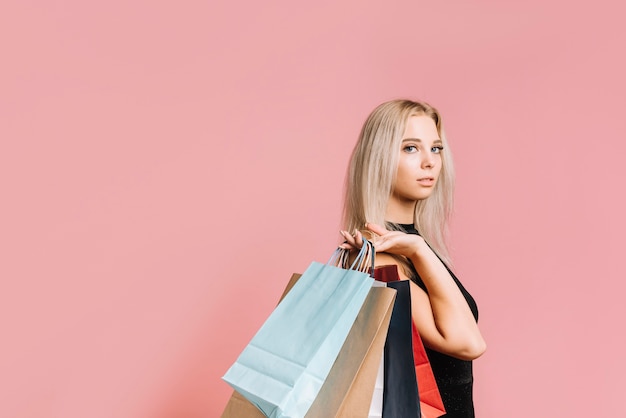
(456, 331)
(442, 315)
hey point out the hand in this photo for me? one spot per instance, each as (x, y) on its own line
(393, 242)
(352, 242)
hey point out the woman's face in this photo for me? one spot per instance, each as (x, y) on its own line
(419, 163)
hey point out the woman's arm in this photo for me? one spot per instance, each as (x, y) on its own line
(442, 316)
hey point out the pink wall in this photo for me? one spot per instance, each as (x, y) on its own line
(165, 167)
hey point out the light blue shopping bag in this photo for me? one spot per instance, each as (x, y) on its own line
(283, 368)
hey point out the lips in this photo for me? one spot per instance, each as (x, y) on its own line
(426, 181)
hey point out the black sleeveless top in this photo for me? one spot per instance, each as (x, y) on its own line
(454, 377)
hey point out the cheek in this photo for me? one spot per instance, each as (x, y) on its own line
(437, 168)
(404, 171)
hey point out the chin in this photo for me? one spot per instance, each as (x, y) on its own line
(423, 196)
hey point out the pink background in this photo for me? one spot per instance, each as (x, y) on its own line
(166, 166)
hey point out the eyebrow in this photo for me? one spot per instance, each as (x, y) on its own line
(437, 141)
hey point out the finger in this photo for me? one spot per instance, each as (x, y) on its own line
(345, 245)
(375, 228)
(358, 238)
(349, 238)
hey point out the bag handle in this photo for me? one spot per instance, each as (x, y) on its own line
(341, 257)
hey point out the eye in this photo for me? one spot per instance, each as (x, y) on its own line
(410, 149)
(437, 149)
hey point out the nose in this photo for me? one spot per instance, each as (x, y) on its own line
(427, 160)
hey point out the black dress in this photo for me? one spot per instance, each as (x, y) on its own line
(454, 377)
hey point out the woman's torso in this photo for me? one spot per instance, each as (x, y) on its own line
(454, 376)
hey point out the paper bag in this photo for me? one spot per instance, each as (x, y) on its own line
(400, 394)
(347, 391)
(431, 404)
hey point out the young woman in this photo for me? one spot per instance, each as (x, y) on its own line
(399, 192)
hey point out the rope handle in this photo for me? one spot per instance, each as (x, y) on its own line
(364, 261)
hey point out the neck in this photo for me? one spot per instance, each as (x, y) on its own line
(400, 212)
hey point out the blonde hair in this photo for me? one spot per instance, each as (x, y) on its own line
(373, 167)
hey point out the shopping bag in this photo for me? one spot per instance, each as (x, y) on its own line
(282, 369)
(400, 394)
(349, 386)
(376, 405)
(430, 399)
(238, 406)
(348, 389)
(431, 404)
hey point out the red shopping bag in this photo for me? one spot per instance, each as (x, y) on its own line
(430, 399)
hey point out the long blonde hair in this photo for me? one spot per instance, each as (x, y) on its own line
(373, 167)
